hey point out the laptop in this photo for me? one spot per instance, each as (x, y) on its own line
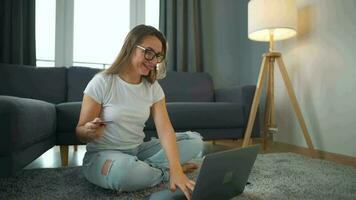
(223, 175)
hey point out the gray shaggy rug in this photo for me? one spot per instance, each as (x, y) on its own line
(274, 176)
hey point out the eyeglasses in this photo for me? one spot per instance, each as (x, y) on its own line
(150, 54)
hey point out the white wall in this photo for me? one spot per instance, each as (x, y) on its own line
(321, 62)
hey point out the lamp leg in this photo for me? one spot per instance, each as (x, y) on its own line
(272, 126)
(255, 102)
(295, 104)
(269, 120)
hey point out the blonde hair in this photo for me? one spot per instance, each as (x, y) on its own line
(133, 38)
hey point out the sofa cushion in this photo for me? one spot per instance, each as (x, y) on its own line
(206, 115)
(183, 115)
(68, 116)
(188, 87)
(178, 86)
(43, 83)
(78, 78)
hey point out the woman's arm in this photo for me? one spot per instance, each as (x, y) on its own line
(167, 137)
(87, 130)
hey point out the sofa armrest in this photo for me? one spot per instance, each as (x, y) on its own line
(242, 95)
(238, 94)
(24, 122)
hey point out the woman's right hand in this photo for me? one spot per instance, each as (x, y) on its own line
(95, 129)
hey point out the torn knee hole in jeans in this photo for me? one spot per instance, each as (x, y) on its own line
(106, 167)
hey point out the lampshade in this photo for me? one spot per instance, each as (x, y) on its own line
(272, 16)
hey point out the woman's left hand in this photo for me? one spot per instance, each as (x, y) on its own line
(178, 178)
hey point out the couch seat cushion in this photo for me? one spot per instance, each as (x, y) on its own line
(183, 115)
(203, 115)
(68, 116)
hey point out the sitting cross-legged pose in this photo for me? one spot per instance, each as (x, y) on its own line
(126, 94)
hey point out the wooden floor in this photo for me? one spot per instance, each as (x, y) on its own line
(51, 158)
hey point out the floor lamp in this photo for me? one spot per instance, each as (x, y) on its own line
(268, 21)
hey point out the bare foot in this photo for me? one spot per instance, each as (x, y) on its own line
(189, 167)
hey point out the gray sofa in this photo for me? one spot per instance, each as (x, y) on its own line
(39, 108)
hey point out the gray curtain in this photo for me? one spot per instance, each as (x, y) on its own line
(17, 34)
(180, 22)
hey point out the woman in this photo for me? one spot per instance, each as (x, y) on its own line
(126, 94)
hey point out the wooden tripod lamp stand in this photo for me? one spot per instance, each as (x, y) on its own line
(268, 21)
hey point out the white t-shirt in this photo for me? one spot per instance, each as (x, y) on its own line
(128, 105)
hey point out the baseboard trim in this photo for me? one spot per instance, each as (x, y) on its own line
(338, 158)
(278, 147)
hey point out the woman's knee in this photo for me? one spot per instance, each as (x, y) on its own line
(196, 142)
(119, 172)
(196, 139)
(132, 174)
(190, 145)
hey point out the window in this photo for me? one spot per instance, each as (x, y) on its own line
(45, 32)
(152, 13)
(99, 29)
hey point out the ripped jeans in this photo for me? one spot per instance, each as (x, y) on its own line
(139, 168)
